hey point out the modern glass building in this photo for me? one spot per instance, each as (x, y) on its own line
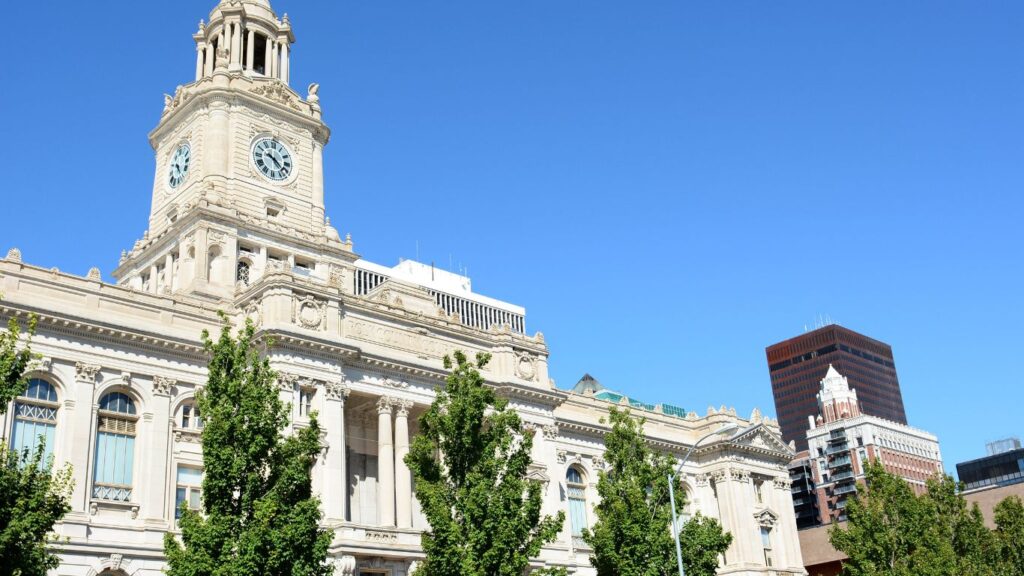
(996, 470)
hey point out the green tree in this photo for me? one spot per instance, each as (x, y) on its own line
(1009, 533)
(632, 535)
(14, 361)
(32, 496)
(259, 514)
(891, 531)
(470, 462)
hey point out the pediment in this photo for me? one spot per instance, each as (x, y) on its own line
(766, 517)
(760, 438)
(538, 473)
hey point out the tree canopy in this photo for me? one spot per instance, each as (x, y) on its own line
(891, 531)
(33, 497)
(470, 462)
(632, 535)
(259, 515)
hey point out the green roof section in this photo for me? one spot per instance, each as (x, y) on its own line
(590, 386)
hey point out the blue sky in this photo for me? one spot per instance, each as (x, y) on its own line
(668, 187)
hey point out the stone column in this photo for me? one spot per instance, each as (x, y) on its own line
(200, 49)
(268, 58)
(154, 281)
(786, 526)
(250, 52)
(215, 146)
(272, 64)
(236, 46)
(403, 478)
(82, 418)
(385, 464)
(335, 473)
(284, 61)
(169, 271)
(318, 184)
(210, 55)
(154, 487)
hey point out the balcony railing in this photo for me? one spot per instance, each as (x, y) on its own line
(840, 462)
(845, 489)
(835, 449)
(840, 476)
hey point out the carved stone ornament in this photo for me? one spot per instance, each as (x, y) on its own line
(782, 483)
(308, 312)
(381, 536)
(346, 565)
(739, 475)
(702, 479)
(278, 92)
(86, 372)
(402, 407)
(217, 237)
(766, 518)
(252, 312)
(337, 391)
(598, 463)
(401, 384)
(562, 456)
(526, 366)
(718, 476)
(286, 382)
(551, 431)
(162, 386)
(384, 404)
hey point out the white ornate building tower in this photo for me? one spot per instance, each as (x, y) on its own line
(238, 224)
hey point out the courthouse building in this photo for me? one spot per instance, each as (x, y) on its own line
(238, 224)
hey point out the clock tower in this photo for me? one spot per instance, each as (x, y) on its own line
(238, 187)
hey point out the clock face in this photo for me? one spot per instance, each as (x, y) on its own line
(272, 158)
(179, 165)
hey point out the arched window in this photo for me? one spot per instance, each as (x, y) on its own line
(35, 418)
(189, 417)
(577, 493)
(115, 448)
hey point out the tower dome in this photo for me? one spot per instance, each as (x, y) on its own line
(244, 36)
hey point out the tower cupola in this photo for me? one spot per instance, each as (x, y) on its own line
(244, 36)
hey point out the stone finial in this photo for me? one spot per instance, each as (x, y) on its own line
(124, 256)
(755, 416)
(14, 255)
(95, 274)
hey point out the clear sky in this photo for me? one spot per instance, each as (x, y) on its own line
(667, 186)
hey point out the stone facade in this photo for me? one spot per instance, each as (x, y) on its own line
(238, 224)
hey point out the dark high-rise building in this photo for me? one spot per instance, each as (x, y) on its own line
(797, 365)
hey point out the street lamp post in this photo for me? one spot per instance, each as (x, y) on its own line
(672, 493)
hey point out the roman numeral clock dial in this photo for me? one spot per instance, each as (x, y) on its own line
(272, 159)
(179, 165)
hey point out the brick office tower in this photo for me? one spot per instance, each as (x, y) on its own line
(797, 365)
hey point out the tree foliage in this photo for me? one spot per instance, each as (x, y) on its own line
(891, 531)
(14, 361)
(470, 462)
(1009, 534)
(33, 497)
(259, 513)
(632, 535)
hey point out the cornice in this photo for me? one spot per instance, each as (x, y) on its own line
(513, 390)
(82, 328)
(206, 91)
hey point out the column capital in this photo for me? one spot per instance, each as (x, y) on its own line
(337, 391)
(385, 404)
(86, 372)
(402, 407)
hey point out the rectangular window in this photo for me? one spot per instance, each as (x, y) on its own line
(306, 401)
(189, 490)
(115, 456)
(766, 543)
